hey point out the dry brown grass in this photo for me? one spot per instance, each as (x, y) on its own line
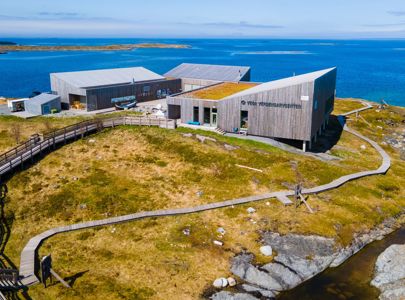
(220, 91)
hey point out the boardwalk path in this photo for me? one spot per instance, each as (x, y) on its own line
(29, 253)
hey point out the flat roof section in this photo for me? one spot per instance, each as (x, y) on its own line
(219, 91)
(95, 78)
(209, 72)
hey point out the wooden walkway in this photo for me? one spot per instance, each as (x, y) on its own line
(37, 145)
(29, 259)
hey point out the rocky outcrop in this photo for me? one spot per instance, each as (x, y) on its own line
(298, 259)
(390, 273)
(231, 296)
(362, 240)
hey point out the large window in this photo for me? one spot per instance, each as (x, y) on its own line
(146, 91)
(162, 93)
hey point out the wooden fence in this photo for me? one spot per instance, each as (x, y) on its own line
(37, 144)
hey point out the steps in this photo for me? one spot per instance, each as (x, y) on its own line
(220, 131)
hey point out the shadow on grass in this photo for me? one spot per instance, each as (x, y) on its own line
(69, 279)
(72, 279)
(6, 223)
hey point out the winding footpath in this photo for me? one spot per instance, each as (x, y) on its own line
(29, 261)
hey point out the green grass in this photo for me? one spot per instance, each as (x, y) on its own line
(132, 169)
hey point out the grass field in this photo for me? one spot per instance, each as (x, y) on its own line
(131, 169)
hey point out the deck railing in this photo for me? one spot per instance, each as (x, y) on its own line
(37, 143)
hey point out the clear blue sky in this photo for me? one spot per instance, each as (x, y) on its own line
(207, 18)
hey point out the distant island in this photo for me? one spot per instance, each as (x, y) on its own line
(7, 43)
(118, 47)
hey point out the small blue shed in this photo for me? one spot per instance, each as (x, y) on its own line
(43, 104)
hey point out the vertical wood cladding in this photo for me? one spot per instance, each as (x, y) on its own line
(63, 89)
(324, 91)
(100, 98)
(275, 113)
(281, 112)
(187, 107)
(291, 112)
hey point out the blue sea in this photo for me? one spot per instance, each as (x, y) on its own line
(369, 69)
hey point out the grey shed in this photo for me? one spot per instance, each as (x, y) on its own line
(43, 104)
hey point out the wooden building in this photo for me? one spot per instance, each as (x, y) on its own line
(94, 90)
(194, 76)
(295, 108)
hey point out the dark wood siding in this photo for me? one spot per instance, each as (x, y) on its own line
(324, 91)
(100, 98)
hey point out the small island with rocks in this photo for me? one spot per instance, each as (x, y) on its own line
(4, 48)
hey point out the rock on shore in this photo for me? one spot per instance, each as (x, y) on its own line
(390, 273)
(298, 259)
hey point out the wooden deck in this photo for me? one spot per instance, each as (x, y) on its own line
(29, 259)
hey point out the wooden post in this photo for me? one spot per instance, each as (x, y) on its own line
(64, 135)
(60, 279)
(304, 146)
(306, 204)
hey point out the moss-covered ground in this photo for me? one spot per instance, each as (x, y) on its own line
(131, 169)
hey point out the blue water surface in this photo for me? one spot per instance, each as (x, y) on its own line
(369, 69)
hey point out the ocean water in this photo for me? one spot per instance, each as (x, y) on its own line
(369, 69)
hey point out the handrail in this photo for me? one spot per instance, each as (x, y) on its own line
(14, 151)
(25, 151)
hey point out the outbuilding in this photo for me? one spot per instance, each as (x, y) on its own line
(295, 108)
(16, 105)
(43, 104)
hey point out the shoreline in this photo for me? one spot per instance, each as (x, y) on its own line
(290, 267)
(118, 47)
